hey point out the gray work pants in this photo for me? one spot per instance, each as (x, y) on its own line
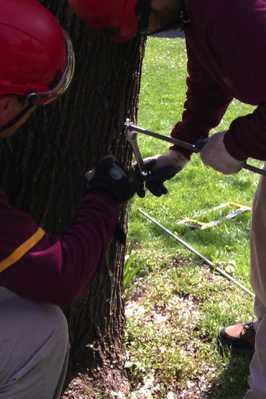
(34, 348)
(257, 379)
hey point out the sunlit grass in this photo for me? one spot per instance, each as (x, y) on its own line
(197, 188)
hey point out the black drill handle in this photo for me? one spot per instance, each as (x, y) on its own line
(199, 145)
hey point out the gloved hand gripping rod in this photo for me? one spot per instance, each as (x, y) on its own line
(195, 148)
(132, 133)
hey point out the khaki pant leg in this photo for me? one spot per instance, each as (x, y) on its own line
(34, 349)
(258, 244)
(257, 379)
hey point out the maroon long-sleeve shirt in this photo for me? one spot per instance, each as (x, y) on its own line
(58, 268)
(226, 46)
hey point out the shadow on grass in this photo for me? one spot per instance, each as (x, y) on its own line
(232, 382)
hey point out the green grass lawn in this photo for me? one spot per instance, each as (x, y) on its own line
(179, 354)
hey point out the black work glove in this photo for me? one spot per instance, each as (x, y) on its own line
(161, 168)
(110, 177)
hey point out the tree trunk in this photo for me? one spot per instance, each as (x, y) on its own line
(42, 166)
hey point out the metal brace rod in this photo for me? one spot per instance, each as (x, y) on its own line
(196, 148)
(212, 266)
(132, 139)
(187, 146)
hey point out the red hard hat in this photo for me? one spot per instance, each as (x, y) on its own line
(118, 15)
(33, 49)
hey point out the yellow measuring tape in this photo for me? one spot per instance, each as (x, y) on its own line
(22, 250)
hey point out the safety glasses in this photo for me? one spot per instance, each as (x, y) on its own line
(44, 98)
(13, 122)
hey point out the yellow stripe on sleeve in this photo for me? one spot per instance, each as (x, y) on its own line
(22, 250)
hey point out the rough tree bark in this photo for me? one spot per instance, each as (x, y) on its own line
(41, 168)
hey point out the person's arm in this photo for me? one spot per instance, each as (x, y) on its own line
(246, 136)
(59, 268)
(205, 105)
(243, 60)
